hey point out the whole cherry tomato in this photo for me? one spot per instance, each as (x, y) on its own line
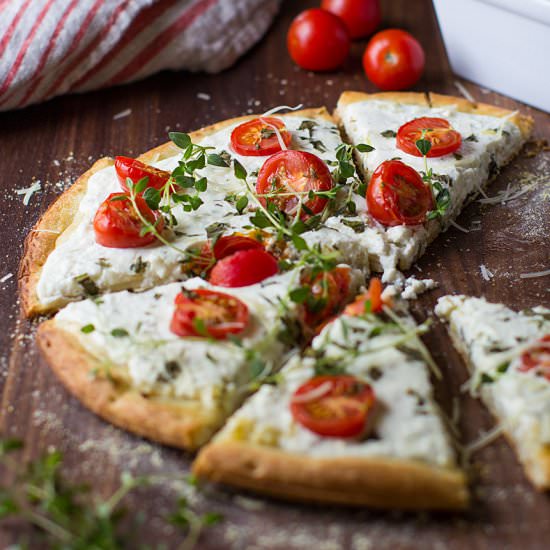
(361, 17)
(393, 60)
(318, 40)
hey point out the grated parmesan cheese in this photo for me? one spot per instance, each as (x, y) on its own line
(483, 440)
(6, 277)
(485, 273)
(203, 96)
(459, 227)
(534, 274)
(122, 114)
(506, 195)
(464, 91)
(29, 191)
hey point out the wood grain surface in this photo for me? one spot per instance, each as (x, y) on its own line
(56, 141)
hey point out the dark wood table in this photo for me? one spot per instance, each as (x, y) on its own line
(55, 142)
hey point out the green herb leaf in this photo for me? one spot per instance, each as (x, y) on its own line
(388, 134)
(424, 146)
(299, 243)
(88, 285)
(180, 139)
(239, 170)
(152, 198)
(86, 329)
(217, 160)
(299, 295)
(119, 333)
(364, 148)
(140, 186)
(241, 204)
(201, 185)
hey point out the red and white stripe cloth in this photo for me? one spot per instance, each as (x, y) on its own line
(53, 47)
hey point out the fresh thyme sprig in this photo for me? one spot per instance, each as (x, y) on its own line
(441, 194)
(68, 517)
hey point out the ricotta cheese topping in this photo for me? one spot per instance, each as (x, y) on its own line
(78, 256)
(487, 143)
(492, 338)
(405, 422)
(131, 332)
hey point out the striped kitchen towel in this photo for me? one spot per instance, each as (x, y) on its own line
(53, 47)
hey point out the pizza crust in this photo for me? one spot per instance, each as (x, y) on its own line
(167, 421)
(429, 99)
(369, 481)
(58, 218)
(536, 462)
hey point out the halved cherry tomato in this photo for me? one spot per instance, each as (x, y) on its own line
(538, 357)
(199, 260)
(228, 245)
(370, 302)
(396, 195)
(318, 40)
(334, 406)
(243, 268)
(117, 225)
(360, 16)
(257, 137)
(290, 172)
(136, 170)
(208, 313)
(393, 60)
(329, 291)
(437, 131)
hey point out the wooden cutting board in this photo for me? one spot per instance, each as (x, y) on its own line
(55, 142)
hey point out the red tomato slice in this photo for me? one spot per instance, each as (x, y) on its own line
(334, 406)
(136, 170)
(228, 245)
(116, 223)
(373, 296)
(329, 291)
(257, 137)
(396, 195)
(243, 268)
(437, 131)
(290, 172)
(538, 357)
(208, 314)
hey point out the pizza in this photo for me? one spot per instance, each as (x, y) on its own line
(171, 363)
(224, 263)
(352, 420)
(455, 146)
(508, 356)
(64, 260)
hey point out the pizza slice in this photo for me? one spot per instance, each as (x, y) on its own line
(173, 362)
(428, 155)
(508, 356)
(351, 421)
(114, 230)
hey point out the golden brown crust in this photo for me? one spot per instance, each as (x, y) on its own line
(172, 422)
(41, 241)
(354, 481)
(536, 461)
(42, 238)
(523, 122)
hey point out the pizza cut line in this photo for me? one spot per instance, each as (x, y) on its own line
(183, 280)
